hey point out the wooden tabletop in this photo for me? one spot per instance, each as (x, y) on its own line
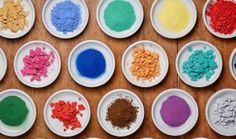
(146, 32)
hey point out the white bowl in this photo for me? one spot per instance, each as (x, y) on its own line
(3, 63)
(127, 62)
(172, 35)
(183, 55)
(53, 70)
(54, 124)
(230, 131)
(28, 123)
(28, 7)
(231, 64)
(124, 34)
(161, 125)
(206, 21)
(46, 17)
(109, 58)
(107, 100)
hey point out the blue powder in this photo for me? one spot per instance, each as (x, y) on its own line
(91, 63)
(234, 64)
(66, 16)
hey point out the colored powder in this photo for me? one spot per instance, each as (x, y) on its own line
(175, 111)
(13, 111)
(67, 113)
(119, 15)
(234, 64)
(174, 15)
(200, 64)
(66, 16)
(36, 64)
(91, 63)
(222, 14)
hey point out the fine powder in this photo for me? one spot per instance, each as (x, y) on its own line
(13, 111)
(174, 15)
(121, 113)
(175, 111)
(91, 63)
(66, 16)
(119, 15)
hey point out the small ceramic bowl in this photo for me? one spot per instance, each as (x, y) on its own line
(184, 54)
(109, 58)
(161, 125)
(53, 70)
(3, 63)
(230, 131)
(127, 62)
(46, 17)
(123, 34)
(107, 100)
(206, 21)
(172, 35)
(28, 7)
(232, 63)
(31, 117)
(54, 124)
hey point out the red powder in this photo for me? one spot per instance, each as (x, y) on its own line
(67, 112)
(222, 15)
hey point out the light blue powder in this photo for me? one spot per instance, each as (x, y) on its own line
(66, 16)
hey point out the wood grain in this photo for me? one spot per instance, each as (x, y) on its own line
(92, 31)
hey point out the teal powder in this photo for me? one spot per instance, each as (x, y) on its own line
(200, 64)
(119, 15)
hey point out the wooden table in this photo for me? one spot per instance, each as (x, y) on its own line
(146, 32)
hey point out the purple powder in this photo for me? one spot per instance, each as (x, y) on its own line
(175, 111)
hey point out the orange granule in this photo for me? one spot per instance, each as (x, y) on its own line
(145, 64)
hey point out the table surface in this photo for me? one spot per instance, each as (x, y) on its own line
(146, 32)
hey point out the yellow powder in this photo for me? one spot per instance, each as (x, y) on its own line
(174, 16)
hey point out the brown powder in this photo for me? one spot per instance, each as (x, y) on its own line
(121, 113)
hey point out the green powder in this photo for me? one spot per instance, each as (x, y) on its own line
(119, 15)
(13, 111)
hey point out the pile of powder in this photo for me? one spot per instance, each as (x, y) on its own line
(201, 63)
(67, 113)
(145, 64)
(13, 111)
(174, 15)
(121, 113)
(222, 14)
(224, 111)
(119, 15)
(175, 111)
(12, 16)
(91, 63)
(36, 64)
(66, 16)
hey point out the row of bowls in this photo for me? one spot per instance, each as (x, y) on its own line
(46, 16)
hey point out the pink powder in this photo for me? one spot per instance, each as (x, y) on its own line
(36, 63)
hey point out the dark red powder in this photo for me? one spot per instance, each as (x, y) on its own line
(222, 15)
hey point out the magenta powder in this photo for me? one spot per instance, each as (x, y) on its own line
(175, 111)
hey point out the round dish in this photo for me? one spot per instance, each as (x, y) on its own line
(124, 34)
(230, 131)
(3, 63)
(46, 17)
(206, 21)
(53, 70)
(108, 99)
(172, 35)
(55, 125)
(232, 61)
(19, 130)
(28, 6)
(184, 54)
(161, 125)
(127, 60)
(109, 58)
